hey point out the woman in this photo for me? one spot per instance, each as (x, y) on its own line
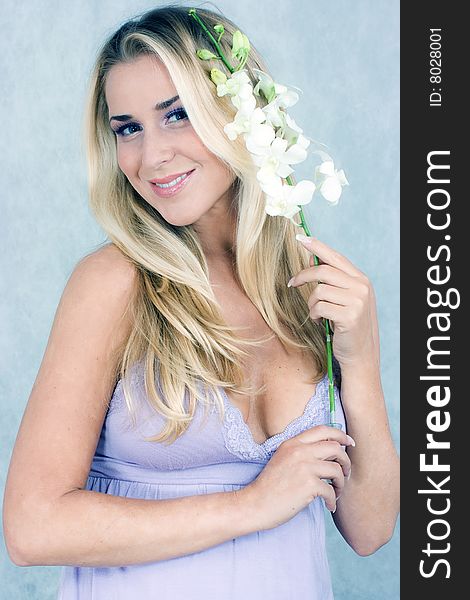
(175, 442)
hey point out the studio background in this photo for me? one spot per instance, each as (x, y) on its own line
(343, 55)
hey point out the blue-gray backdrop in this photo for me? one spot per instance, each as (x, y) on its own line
(343, 55)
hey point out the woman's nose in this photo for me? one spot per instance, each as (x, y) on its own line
(156, 150)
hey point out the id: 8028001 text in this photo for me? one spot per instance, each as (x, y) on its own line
(435, 67)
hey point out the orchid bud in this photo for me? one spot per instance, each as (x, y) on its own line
(218, 77)
(205, 54)
(240, 45)
(237, 42)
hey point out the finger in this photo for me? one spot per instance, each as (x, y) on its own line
(328, 255)
(329, 293)
(332, 451)
(323, 274)
(321, 433)
(328, 310)
(333, 474)
(327, 492)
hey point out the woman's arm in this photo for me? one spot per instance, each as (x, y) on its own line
(48, 518)
(368, 507)
(367, 520)
(92, 529)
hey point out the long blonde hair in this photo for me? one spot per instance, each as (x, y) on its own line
(178, 330)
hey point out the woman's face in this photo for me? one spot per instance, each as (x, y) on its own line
(159, 142)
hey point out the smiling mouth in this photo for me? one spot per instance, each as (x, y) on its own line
(172, 187)
(174, 181)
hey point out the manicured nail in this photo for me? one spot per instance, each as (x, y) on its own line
(301, 237)
(290, 282)
(351, 441)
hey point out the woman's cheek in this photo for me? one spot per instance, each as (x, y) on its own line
(125, 161)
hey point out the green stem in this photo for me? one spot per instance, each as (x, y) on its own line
(242, 63)
(196, 17)
(329, 350)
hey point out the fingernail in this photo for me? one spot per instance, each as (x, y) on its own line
(350, 440)
(301, 237)
(333, 511)
(290, 282)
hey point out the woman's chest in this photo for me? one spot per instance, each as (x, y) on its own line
(286, 374)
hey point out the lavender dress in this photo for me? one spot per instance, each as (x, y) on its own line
(283, 563)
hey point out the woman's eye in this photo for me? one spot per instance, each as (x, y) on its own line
(180, 113)
(127, 129)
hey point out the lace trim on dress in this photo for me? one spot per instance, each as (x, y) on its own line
(239, 439)
(117, 399)
(237, 436)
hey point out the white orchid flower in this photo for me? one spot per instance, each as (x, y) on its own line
(261, 135)
(244, 101)
(303, 143)
(270, 183)
(291, 132)
(247, 121)
(270, 167)
(238, 84)
(284, 96)
(275, 141)
(275, 158)
(285, 200)
(265, 84)
(281, 208)
(274, 115)
(278, 96)
(330, 181)
(287, 97)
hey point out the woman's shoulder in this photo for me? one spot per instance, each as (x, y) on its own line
(101, 287)
(109, 265)
(108, 255)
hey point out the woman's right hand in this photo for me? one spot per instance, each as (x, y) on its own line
(295, 475)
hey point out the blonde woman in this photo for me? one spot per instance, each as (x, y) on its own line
(175, 442)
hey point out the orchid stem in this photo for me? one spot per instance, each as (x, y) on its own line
(216, 45)
(329, 350)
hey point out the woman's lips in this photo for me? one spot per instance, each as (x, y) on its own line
(167, 192)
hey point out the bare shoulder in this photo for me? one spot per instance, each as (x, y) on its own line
(109, 262)
(98, 294)
(64, 414)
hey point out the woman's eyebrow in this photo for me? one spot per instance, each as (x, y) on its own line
(158, 106)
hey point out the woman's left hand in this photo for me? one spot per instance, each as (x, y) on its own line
(346, 297)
